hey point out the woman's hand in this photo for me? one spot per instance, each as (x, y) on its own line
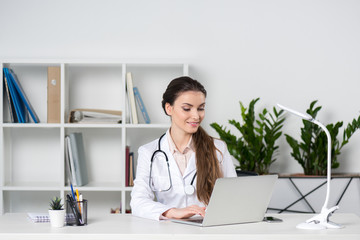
(185, 212)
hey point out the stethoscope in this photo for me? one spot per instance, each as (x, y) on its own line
(189, 189)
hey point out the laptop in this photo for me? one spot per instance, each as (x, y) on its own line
(236, 200)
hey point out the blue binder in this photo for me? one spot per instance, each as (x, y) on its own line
(141, 105)
(12, 111)
(19, 105)
(21, 98)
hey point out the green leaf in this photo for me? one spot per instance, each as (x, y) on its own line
(311, 151)
(255, 149)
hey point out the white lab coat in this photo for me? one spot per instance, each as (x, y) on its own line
(143, 203)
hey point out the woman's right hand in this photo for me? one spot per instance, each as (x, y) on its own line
(185, 212)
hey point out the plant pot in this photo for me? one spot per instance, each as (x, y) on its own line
(241, 173)
(57, 218)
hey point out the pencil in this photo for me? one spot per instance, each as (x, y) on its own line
(78, 200)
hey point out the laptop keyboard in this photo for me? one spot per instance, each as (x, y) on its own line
(195, 220)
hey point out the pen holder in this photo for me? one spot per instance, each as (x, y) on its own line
(76, 213)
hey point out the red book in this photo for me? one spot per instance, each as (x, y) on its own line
(127, 166)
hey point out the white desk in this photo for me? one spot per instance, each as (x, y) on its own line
(17, 226)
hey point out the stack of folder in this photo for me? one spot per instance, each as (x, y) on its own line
(19, 105)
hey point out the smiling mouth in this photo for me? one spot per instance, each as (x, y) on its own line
(193, 123)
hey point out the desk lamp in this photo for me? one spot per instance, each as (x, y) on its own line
(320, 221)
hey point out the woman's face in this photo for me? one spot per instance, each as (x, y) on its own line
(187, 112)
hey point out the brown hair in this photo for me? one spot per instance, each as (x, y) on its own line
(207, 164)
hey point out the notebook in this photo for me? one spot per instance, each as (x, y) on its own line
(236, 200)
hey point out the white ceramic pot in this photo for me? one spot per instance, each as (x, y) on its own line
(57, 218)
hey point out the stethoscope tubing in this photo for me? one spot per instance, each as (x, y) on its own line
(168, 166)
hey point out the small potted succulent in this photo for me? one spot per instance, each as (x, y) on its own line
(56, 212)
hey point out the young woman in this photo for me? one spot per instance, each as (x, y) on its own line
(177, 172)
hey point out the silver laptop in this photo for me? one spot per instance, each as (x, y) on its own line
(236, 200)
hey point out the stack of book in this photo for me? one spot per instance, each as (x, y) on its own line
(75, 159)
(19, 105)
(135, 101)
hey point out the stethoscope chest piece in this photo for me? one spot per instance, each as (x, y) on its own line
(189, 189)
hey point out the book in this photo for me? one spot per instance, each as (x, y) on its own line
(128, 109)
(12, 111)
(77, 156)
(131, 169)
(19, 106)
(70, 167)
(141, 105)
(53, 94)
(127, 165)
(130, 90)
(68, 179)
(20, 96)
(85, 115)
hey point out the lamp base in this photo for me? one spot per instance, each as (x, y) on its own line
(320, 221)
(318, 226)
(310, 226)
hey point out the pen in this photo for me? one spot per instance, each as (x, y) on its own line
(74, 210)
(72, 191)
(81, 202)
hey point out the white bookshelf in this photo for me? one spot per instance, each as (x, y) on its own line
(32, 164)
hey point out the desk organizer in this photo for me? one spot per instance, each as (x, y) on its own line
(76, 213)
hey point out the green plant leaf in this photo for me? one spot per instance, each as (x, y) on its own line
(255, 149)
(311, 152)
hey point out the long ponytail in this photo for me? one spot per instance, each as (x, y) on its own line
(207, 165)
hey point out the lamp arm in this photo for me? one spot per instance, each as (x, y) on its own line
(321, 220)
(325, 206)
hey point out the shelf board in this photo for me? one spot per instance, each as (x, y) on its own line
(157, 125)
(53, 186)
(129, 61)
(93, 125)
(99, 186)
(32, 186)
(96, 125)
(31, 125)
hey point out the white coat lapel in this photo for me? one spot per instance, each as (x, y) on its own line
(174, 169)
(191, 167)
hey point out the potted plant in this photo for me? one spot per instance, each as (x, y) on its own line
(56, 212)
(255, 148)
(311, 151)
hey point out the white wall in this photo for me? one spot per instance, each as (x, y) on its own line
(284, 51)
